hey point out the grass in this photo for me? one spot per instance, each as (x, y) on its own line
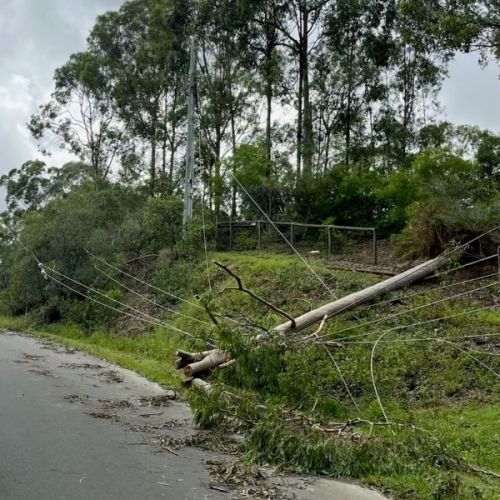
(285, 392)
(151, 354)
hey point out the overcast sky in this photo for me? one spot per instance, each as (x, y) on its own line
(37, 36)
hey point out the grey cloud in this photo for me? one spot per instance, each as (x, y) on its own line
(37, 36)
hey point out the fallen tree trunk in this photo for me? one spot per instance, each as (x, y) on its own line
(202, 386)
(210, 361)
(185, 358)
(368, 294)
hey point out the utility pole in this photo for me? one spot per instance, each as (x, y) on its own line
(188, 186)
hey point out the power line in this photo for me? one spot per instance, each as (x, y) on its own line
(420, 323)
(93, 290)
(147, 299)
(413, 309)
(434, 289)
(318, 277)
(149, 285)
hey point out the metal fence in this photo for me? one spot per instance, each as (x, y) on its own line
(259, 225)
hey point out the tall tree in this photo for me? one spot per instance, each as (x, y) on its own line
(80, 116)
(226, 86)
(298, 28)
(265, 40)
(144, 47)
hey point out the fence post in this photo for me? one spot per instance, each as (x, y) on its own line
(375, 249)
(259, 235)
(329, 254)
(230, 234)
(291, 233)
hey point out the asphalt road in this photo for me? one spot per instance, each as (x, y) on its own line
(75, 427)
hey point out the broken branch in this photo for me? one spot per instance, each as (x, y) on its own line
(243, 289)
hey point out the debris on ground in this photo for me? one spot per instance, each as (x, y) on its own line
(112, 377)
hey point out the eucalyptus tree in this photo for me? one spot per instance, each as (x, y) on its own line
(144, 48)
(417, 69)
(347, 76)
(227, 105)
(301, 36)
(80, 116)
(265, 41)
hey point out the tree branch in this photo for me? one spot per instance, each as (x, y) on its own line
(241, 288)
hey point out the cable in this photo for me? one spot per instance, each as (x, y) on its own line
(435, 289)
(350, 306)
(284, 237)
(402, 313)
(147, 299)
(148, 316)
(404, 327)
(423, 339)
(372, 365)
(205, 240)
(462, 267)
(465, 351)
(144, 282)
(92, 299)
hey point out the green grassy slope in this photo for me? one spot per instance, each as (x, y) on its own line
(287, 392)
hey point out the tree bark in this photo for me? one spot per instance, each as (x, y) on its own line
(363, 296)
(308, 145)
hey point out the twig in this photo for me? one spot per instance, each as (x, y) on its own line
(241, 288)
(211, 315)
(339, 427)
(475, 468)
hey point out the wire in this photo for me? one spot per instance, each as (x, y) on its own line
(148, 316)
(435, 289)
(147, 299)
(352, 305)
(92, 299)
(144, 282)
(467, 353)
(462, 267)
(404, 327)
(423, 339)
(205, 240)
(372, 366)
(337, 367)
(401, 313)
(284, 237)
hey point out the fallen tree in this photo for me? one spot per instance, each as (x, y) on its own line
(195, 365)
(363, 296)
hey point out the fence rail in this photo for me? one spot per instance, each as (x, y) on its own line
(258, 224)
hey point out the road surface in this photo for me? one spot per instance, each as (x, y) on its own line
(74, 427)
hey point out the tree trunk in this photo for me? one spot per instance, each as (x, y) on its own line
(308, 145)
(269, 104)
(217, 176)
(299, 120)
(363, 296)
(152, 182)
